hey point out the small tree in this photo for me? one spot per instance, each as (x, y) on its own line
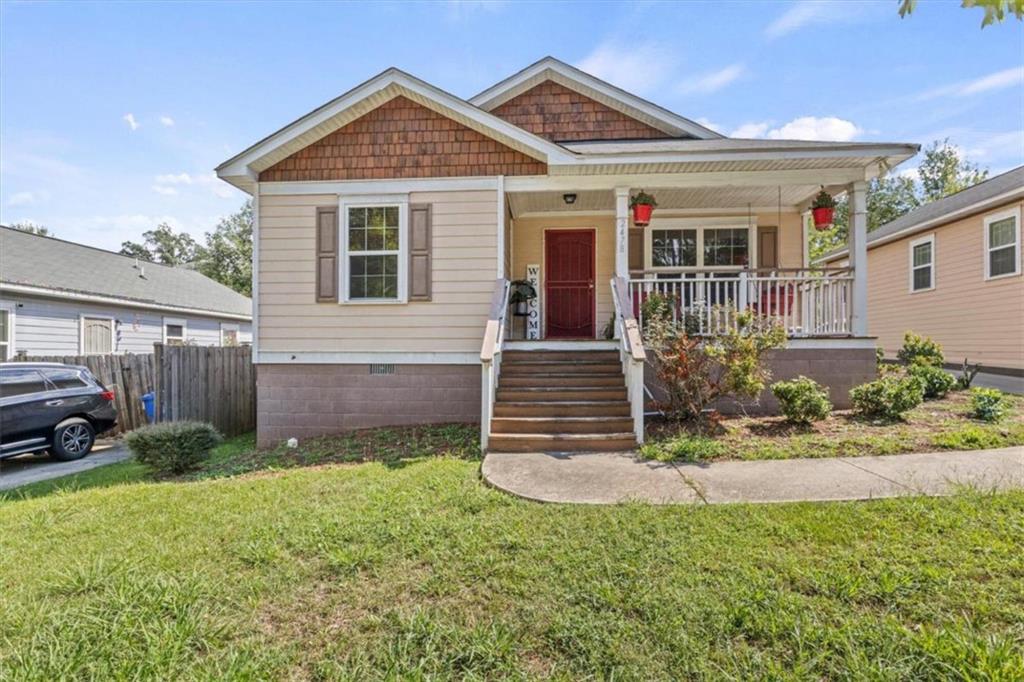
(695, 372)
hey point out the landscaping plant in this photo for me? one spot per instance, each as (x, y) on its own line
(937, 381)
(685, 448)
(174, 447)
(697, 372)
(657, 308)
(967, 374)
(920, 350)
(888, 398)
(988, 404)
(802, 400)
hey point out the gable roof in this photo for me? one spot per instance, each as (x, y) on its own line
(616, 98)
(37, 262)
(239, 170)
(997, 190)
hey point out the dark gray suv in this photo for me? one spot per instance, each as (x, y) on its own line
(49, 406)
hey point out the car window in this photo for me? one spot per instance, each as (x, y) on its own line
(20, 382)
(65, 378)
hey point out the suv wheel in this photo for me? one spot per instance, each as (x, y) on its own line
(72, 439)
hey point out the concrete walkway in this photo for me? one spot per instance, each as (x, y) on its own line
(24, 469)
(608, 478)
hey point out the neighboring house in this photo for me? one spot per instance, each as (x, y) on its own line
(389, 220)
(951, 270)
(61, 298)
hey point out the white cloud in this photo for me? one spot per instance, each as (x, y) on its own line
(707, 123)
(996, 146)
(800, 14)
(174, 179)
(999, 80)
(711, 82)
(208, 181)
(167, 121)
(826, 128)
(130, 120)
(22, 199)
(636, 69)
(166, 191)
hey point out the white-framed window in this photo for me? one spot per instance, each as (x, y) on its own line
(228, 334)
(922, 264)
(1002, 244)
(673, 244)
(95, 335)
(6, 331)
(175, 331)
(374, 264)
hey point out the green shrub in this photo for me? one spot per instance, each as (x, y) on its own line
(657, 308)
(802, 400)
(920, 350)
(888, 398)
(937, 381)
(988, 404)
(684, 447)
(174, 447)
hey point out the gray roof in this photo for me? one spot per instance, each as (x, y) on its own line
(31, 260)
(1005, 183)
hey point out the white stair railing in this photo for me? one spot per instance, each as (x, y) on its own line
(490, 356)
(631, 352)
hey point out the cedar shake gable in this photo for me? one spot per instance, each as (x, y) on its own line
(402, 139)
(561, 114)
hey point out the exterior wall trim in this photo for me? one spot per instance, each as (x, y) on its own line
(926, 239)
(12, 312)
(365, 358)
(987, 222)
(120, 302)
(380, 186)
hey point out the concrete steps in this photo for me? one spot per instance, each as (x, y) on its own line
(561, 401)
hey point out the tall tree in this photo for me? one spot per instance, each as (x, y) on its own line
(164, 246)
(32, 228)
(227, 255)
(943, 172)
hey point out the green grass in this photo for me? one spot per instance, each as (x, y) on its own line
(936, 425)
(419, 571)
(101, 477)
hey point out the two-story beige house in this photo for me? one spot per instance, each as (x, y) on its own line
(952, 270)
(390, 220)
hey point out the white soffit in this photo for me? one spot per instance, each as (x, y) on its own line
(669, 198)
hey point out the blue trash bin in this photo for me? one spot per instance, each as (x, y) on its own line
(149, 404)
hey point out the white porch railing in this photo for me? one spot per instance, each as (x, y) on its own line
(807, 303)
(631, 352)
(490, 356)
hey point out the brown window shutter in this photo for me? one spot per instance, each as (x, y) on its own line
(419, 252)
(327, 254)
(636, 249)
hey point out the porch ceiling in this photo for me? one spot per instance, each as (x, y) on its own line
(668, 198)
(654, 165)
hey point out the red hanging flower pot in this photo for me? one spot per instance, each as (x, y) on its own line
(823, 208)
(643, 205)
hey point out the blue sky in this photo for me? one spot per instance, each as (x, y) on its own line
(113, 116)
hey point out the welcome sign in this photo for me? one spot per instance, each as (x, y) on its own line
(533, 307)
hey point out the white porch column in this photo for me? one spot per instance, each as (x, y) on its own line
(622, 232)
(858, 245)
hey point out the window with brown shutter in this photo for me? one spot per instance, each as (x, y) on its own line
(419, 252)
(327, 254)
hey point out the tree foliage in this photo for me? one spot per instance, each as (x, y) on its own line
(163, 245)
(995, 10)
(32, 228)
(943, 172)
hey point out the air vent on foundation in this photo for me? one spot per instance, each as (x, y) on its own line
(382, 368)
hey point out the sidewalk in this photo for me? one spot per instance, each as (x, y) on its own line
(608, 478)
(18, 471)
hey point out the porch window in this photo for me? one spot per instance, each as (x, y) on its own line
(726, 247)
(922, 264)
(674, 248)
(374, 241)
(1002, 245)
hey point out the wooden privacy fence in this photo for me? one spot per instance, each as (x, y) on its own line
(206, 383)
(128, 376)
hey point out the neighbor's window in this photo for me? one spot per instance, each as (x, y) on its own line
(673, 248)
(1002, 245)
(97, 335)
(730, 246)
(229, 335)
(922, 264)
(373, 252)
(174, 332)
(6, 332)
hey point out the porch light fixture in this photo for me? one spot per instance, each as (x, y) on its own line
(569, 198)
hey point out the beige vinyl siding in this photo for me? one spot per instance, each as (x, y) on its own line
(528, 248)
(971, 317)
(464, 267)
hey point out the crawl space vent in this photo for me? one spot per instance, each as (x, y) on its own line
(381, 368)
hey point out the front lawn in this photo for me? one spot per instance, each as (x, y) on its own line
(372, 571)
(934, 425)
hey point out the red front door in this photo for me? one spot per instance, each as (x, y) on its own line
(569, 283)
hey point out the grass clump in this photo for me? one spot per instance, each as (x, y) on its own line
(802, 400)
(173, 447)
(988, 404)
(685, 448)
(888, 398)
(976, 437)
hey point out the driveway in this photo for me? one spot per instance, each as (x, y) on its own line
(25, 469)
